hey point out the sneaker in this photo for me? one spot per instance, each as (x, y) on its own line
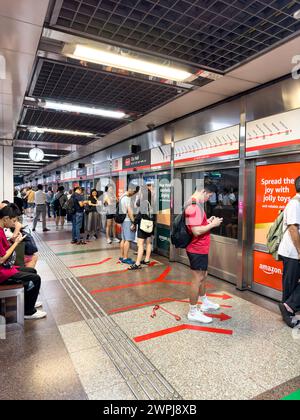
(198, 316)
(128, 261)
(116, 240)
(37, 315)
(38, 305)
(33, 230)
(46, 230)
(121, 260)
(96, 236)
(209, 306)
(109, 241)
(135, 267)
(288, 317)
(74, 242)
(145, 262)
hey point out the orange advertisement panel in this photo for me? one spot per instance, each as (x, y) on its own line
(274, 189)
(267, 271)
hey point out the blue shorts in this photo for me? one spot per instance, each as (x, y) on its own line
(127, 234)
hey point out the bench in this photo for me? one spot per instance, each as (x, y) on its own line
(11, 291)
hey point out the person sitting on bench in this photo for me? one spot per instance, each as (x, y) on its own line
(11, 274)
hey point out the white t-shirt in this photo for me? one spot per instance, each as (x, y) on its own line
(291, 216)
(40, 197)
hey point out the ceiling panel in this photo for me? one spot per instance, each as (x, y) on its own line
(65, 82)
(218, 34)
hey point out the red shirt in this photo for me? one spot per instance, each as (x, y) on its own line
(195, 217)
(5, 273)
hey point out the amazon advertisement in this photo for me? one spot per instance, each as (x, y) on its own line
(274, 189)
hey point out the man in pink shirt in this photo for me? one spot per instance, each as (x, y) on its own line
(197, 251)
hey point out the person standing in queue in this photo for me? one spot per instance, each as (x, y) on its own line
(78, 205)
(289, 253)
(92, 215)
(110, 203)
(40, 208)
(128, 226)
(197, 251)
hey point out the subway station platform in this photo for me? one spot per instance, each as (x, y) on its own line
(99, 341)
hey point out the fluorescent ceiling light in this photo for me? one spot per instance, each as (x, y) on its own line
(26, 159)
(26, 154)
(42, 130)
(94, 55)
(83, 110)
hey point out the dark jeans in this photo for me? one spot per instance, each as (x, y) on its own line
(291, 285)
(77, 220)
(32, 284)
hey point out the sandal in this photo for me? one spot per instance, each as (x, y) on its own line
(145, 262)
(135, 267)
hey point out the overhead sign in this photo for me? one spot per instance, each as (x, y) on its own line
(274, 189)
(140, 160)
(223, 142)
(102, 168)
(161, 156)
(276, 131)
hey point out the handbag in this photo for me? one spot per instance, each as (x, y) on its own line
(10, 262)
(147, 226)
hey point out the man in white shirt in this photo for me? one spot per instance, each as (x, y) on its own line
(128, 227)
(40, 208)
(289, 251)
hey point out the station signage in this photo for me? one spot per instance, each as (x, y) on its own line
(274, 189)
(216, 144)
(117, 165)
(279, 130)
(102, 168)
(140, 160)
(82, 172)
(164, 200)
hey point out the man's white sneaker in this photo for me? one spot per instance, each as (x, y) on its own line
(38, 305)
(209, 306)
(198, 316)
(116, 240)
(37, 315)
(109, 241)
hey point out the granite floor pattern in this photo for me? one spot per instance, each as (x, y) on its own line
(60, 358)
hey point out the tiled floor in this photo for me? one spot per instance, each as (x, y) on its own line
(247, 353)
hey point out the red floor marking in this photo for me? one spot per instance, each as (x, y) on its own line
(222, 317)
(153, 302)
(159, 279)
(181, 328)
(91, 265)
(111, 273)
(224, 296)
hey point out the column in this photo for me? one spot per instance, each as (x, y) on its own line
(6, 172)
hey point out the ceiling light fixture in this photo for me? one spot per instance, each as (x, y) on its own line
(27, 159)
(297, 15)
(46, 154)
(83, 110)
(94, 55)
(42, 130)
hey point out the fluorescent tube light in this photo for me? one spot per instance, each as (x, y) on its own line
(83, 110)
(46, 154)
(42, 130)
(24, 159)
(94, 55)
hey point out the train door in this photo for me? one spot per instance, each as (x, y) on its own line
(271, 186)
(223, 203)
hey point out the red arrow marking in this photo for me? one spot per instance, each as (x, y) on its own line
(222, 317)
(160, 278)
(111, 273)
(224, 296)
(91, 265)
(153, 302)
(172, 330)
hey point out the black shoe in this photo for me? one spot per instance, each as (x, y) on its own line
(287, 316)
(74, 242)
(135, 267)
(33, 230)
(46, 230)
(145, 262)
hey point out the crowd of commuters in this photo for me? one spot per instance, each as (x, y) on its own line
(133, 213)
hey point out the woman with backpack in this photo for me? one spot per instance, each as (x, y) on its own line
(145, 221)
(59, 206)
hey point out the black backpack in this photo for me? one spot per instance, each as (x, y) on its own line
(119, 217)
(70, 206)
(180, 236)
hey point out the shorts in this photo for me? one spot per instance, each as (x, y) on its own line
(127, 234)
(110, 216)
(31, 205)
(60, 212)
(198, 262)
(143, 235)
